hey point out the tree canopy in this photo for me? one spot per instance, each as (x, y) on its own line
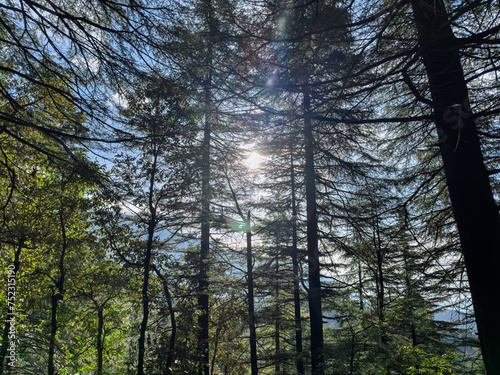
(242, 187)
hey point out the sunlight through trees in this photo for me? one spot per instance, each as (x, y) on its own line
(233, 187)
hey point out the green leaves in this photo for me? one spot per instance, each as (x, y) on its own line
(411, 360)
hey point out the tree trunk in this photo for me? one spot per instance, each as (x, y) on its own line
(277, 328)
(5, 341)
(147, 265)
(314, 293)
(380, 284)
(474, 207)
(100, 333)
(53, 331)
(203, 282)
(299, 361)
(57, 297)
(173, 334)
(410, 294)
(360, 287)
(251, 307)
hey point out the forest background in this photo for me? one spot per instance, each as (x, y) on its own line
(238, 186)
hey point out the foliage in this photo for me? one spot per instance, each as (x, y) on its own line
(124, 129)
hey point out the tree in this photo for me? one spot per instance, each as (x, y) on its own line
(160, 116)
(471, 196)
(342, 99)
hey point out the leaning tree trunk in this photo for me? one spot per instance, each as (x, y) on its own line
(314, 293)
(474, 207)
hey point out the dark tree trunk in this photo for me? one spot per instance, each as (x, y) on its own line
(5, 343)
(173, 334)
(380, 284)
(251, 306)
(474, 207)
(360, 286)
(6, 329)
(100, 334)
(203, 282)
(277, 328)
(353, 352)
(53, 331)
(314, 293)
(410, 294)
(57, 297)
(299, 362)
(204, 266)
(147, 265)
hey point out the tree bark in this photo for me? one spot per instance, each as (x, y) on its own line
(474, 207)
(100, 334)
(380, 283)
(314, 293)
(299, 361)
(203, 282)
(360, 287)
(53, 331)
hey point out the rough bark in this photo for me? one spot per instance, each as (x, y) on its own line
(471, 196)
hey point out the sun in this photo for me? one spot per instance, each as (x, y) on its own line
(254, 160)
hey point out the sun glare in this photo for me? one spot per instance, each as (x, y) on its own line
(254, 160)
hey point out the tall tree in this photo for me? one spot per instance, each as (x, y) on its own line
(160, 116)
(471, 196)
